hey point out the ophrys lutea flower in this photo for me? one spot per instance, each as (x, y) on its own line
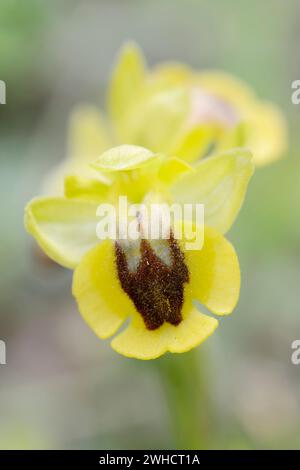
(171, 109)
(148, 287)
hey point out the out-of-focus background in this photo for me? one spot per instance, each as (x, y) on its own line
(61, 386)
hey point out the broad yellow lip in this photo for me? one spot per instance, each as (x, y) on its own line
(210, 275)
(155, 287)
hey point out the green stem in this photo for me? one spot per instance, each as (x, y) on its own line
(185, 388)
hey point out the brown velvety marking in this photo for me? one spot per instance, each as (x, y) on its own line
(155, 288)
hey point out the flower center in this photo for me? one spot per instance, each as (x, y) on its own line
(156, 284)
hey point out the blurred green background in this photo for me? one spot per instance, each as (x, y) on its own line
(62, 387)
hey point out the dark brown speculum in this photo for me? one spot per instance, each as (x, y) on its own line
(155, 287)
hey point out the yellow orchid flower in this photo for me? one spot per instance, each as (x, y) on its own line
(173, 110)
(231, 109)
(152, 284)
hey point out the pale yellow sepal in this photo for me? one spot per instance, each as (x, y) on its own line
(171, 168)
(65, 229)
(127, 82)
(267, 134)
(225, 86)
(88, 137)
(160, 119)
(265, 124)
(85, 188)
(193, 143)
(88, 134)
(220, 183)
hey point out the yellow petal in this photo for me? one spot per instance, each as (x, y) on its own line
(193, 143)
(231, 138)
(53, 185)
(138, 342)
(220, 183)
(169, 75)
(85, 188)
(88, 136)
(226, 86)
(160, 119)
(65, 229)
(127, 81)
(171, 168)
(87, 139)
(214, 273)
(124, 158)
(96, 287)
(267, 133)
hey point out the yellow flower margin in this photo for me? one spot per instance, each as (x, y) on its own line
(65, 228)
